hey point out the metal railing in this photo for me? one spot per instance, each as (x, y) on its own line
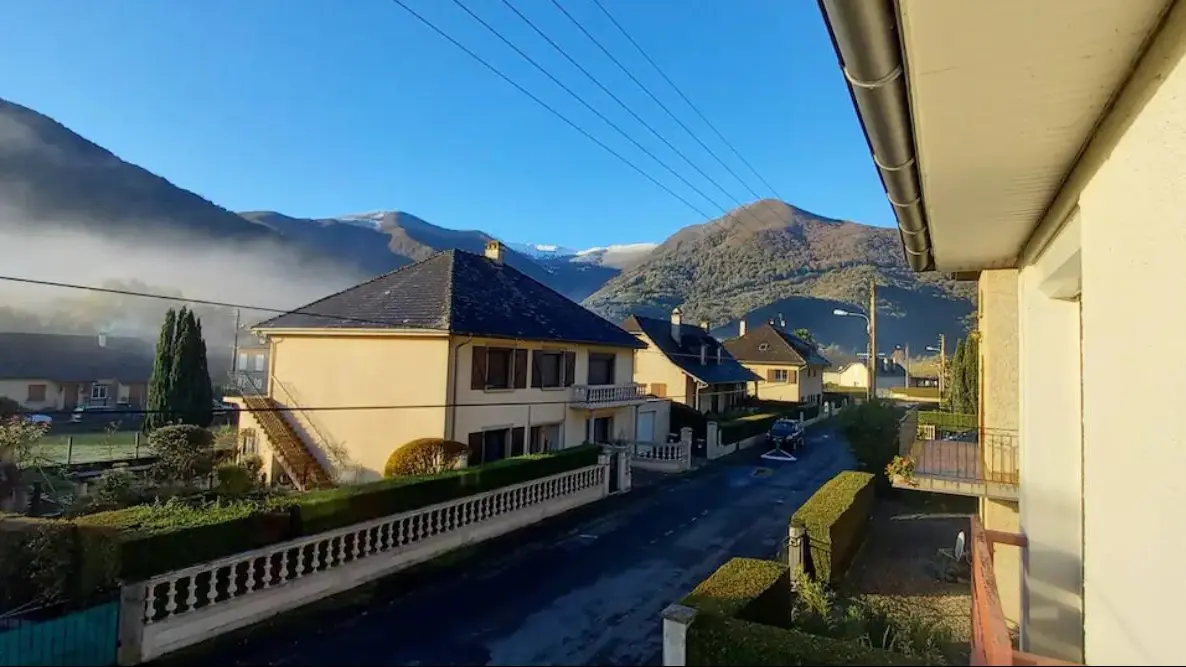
(992, 642)
(608, 394)
(979, 455)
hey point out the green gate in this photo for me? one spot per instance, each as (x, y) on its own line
(61, 634)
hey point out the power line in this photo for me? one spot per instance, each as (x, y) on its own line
(224, 304)
(657, 101)
(615, 98)
(585, 103)
(685, 97)
(550, 109)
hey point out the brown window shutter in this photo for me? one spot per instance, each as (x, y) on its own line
(475, 447)
(570, 368)
(536, 376)
(770, 375)
(477, 376)
(793, 376)
(517, 438)
(520, 379)
(659, 389)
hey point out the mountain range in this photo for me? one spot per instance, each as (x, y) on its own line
(760, 261)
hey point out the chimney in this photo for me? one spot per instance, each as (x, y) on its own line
(719, 354)
(676, 323)
(102, 339)
(741, 328)
(704, 324)
(782, 323)
(703, 354)
(494, 251)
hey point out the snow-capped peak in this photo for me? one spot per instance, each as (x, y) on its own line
(542, 250)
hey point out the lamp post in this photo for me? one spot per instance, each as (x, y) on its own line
(942, 350)
(871, 356)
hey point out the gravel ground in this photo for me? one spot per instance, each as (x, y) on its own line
(899, 565)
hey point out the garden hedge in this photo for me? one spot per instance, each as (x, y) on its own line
(835, 518)
(47, 560)
(743, 618)
(950, 420)
(748, 426)
(319, 511)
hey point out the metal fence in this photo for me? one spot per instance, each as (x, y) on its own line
(980, 454)
(84, 632)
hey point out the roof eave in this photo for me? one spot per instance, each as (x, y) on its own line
(864, 35)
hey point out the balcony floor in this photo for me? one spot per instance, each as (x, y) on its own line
(957, 467)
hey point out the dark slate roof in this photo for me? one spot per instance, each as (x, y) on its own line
(71, 358)
(461, 293)
(769, 344)
(686, 353)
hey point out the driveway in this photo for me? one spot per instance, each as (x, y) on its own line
(589, 592)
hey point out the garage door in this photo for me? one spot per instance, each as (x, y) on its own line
(646, 427)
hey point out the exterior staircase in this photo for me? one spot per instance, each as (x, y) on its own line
(289, 447)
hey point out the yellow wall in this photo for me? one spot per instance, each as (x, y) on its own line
(264, 449)
(479, 410)
(651, 366)
(781, 391)
(384, 390)
(855, 375)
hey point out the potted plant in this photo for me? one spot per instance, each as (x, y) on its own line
(901, 470)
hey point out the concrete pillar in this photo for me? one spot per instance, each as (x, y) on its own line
(676, 620)
(603, 461)
(131, 624)
(712, 441)
(796, 544)
(624, 477)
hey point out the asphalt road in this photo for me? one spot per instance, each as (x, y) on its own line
(585, 593)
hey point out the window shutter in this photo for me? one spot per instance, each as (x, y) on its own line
(520, 379)
(475, 448)
(517, 435)
(536, 376)
(659, 389)
(770, 375)
(477, 376)
(570, 368)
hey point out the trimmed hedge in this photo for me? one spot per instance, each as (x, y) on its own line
(951, 420)
(743, 618)
(319, 511)
(748, 426)
(835, 518)
(47, 560)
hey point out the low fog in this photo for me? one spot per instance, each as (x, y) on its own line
(260, 274)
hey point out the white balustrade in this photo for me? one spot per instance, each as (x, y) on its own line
(207, 593)
(608, 394)
(664, 457)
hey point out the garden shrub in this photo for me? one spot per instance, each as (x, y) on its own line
(685, 416)
(949, 420)
(425, 456)
(166, 536)
(49, 560)
(234, 479)
(748, 426)
(318, 511)
(184, 452)
(835, 518)
(872, 430)
(116, 488)
(743, 618)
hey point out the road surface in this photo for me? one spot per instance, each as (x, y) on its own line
(585, 593)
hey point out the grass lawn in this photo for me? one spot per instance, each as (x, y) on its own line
(88, 447)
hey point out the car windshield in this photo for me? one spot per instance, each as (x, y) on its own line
(783, 428)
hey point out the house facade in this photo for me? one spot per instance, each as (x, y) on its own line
(59, 372)
(789, 368)
(856, 374)
(684, 363)
(458, 346)
(1065, 205)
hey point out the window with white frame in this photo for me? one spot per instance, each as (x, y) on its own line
(99, 392)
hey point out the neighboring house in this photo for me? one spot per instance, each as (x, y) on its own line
(58, 372)
(1039, 148)
(685, 363)
(250, 364)
(856, 374)
(458, 346)
(790, 368)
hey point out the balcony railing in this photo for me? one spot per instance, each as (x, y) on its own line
(992, 643)
(980, 461)
(608, 395)
(247, 383)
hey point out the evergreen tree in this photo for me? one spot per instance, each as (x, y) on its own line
(955, 379)
(181, 399)
(160, 384)
(204, 405)
(971, 376)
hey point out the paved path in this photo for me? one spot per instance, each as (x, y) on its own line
(582, 594)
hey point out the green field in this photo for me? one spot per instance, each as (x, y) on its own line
(88, 447)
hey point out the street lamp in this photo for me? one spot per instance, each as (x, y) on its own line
(942, 366)
(840, 312)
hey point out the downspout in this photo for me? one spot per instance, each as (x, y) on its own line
(865, 37)
(452, 407)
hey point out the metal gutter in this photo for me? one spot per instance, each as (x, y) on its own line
(865, 37)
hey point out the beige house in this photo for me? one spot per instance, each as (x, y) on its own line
(55, 373)
(1040, 148)
(458, 346)
(685, 363)
(856, 374)
(790, 368)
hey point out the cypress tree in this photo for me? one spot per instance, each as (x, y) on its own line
(971, 389)
(160, 384)
(182, 397)
(204, 392)
(955, 380)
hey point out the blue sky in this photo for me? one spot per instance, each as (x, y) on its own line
(317, 108)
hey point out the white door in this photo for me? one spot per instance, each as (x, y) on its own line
(646, 427)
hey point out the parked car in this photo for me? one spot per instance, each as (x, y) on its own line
(786, 434)
(88, 412)
(39, 419)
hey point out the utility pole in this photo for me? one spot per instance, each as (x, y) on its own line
(942, 365)
(235, 349)
(872, 339)
(907, 364)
